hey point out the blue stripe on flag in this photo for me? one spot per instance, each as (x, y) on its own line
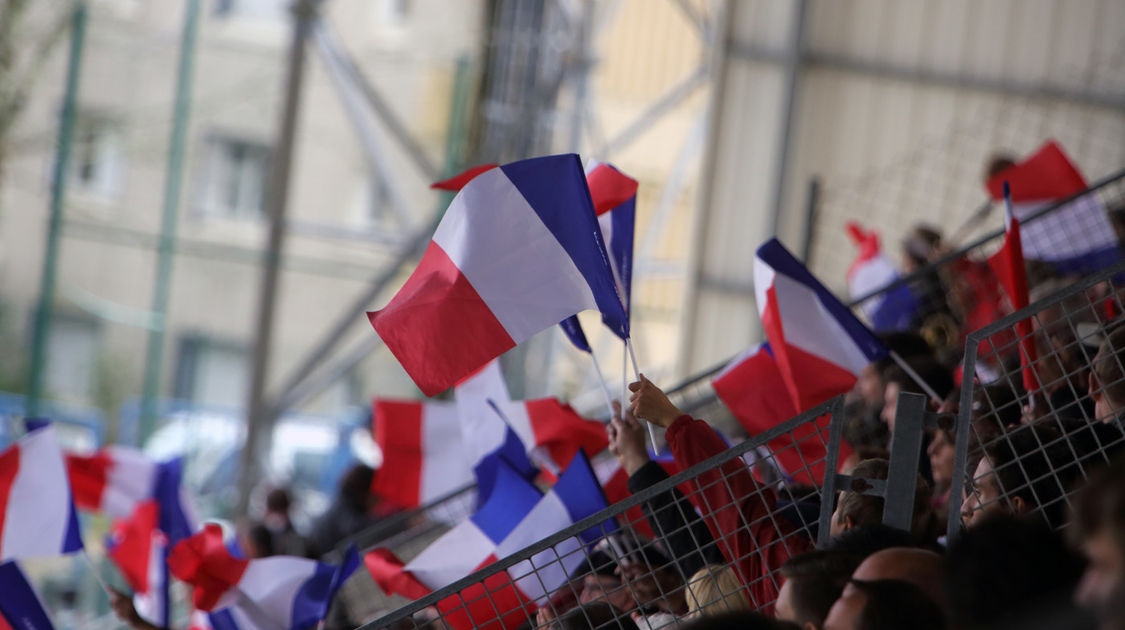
(773, 253)
(222, 620)
(580, 492)
(512, 452)
(555, 188)
(513, 497)
(19, 604)
(1087, 263)
(313, 599)
(624, 218)
(575, 334)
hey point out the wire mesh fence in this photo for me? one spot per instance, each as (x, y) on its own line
(709, 538)
(1041, 413)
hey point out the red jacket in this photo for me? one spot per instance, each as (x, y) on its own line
(739, 512)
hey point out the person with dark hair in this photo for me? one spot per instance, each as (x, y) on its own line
(1027, 470)
(813, 582)
(865, 540)
(1097, 529)
(594, 616)
(854, 508)
(884, 605)
(920, 567)
(742, 620)
(737, 508)
(287, 540)
(1013, 573)
(349, 513)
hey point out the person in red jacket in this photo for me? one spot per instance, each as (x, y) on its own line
(738, 511)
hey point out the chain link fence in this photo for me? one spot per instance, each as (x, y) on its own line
(1041, 413)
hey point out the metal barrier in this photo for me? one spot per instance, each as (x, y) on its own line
(1026, 454)
(718, 530)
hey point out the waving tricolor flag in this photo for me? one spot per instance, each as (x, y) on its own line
(138, 548)
(20, 606)
(615, 201)
(1008, 265)
(37, 515)
(871, 271)
(112, 481)
(423, 453)
(276, 593)
(516, 516)
(486, 437)
(819, 345)
(518, 251)
(1076, 238)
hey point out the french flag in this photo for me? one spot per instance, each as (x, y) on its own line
(1076, 238)
(871, 271)
(138, 548)
(278, 593)
(1008, 265)
(423, 453)
(818, 344)
(518, 251)
(516, 516)
(752, 388)
(20, 606)
(551, 431)
(112, 481)
(615, 201)
(37, 515)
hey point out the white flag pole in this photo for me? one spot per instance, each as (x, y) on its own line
(603, 384)
(637, 375)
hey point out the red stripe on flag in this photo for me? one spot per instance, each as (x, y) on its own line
(1011, 270)
(1046, 174)
(559, 429)
(9, 467)
(390, 574)
(132, 544)
(437, 325)
(457, 182)
(398, 432)
(88, 477)
(495, 604)
(204, 562)
(609, 188)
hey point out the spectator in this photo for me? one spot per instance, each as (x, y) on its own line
(742, 620)
(739, 509)
(884, 605)
(941, 451)
(1098, 530)
(1011, 573)
(593, 616)
(898, 381)
(714, 590)
(349, 513)
(854, 508)
(813, 582)
(920, 567)
(864, 540)
(287, 541)
(1107, 377)
(672, 517)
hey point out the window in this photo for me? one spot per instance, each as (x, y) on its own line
(96, 157)
(234, 178)
(72, 351)
(212, 373)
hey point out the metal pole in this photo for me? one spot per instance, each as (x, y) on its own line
(811, 208)
(45, 305)
(793, 60)
(173, 184)
(906, 449)
(259, 427)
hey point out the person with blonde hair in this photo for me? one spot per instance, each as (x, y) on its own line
(714, 590)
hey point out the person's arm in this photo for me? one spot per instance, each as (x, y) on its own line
(672, 517)
(122, 605)
(735, 507)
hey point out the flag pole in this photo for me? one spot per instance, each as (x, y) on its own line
(917, 378)
(604, 385)
(637, 375)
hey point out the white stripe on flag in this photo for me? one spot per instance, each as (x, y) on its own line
(491, 249)
(459, 552)
(444, 467)
(131, 479)
(1077, 228)
(39, 500)
(272, 584)
(547, 570)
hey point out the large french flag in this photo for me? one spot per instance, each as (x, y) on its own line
(752, 387)
(615, 201)
(1076, 238)
(111, 481)
(276, 593)
(892, 310)
(20, 606)
(37, 515)
(138, 548)
(423, 454)
(819, 345)
(518, 251)
(516, 516)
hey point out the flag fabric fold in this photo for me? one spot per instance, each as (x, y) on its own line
(37, 515)
(275, 593)
(819, 345)
(1076, 238)
(518, 251)
(891, 310)
(20, 606)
